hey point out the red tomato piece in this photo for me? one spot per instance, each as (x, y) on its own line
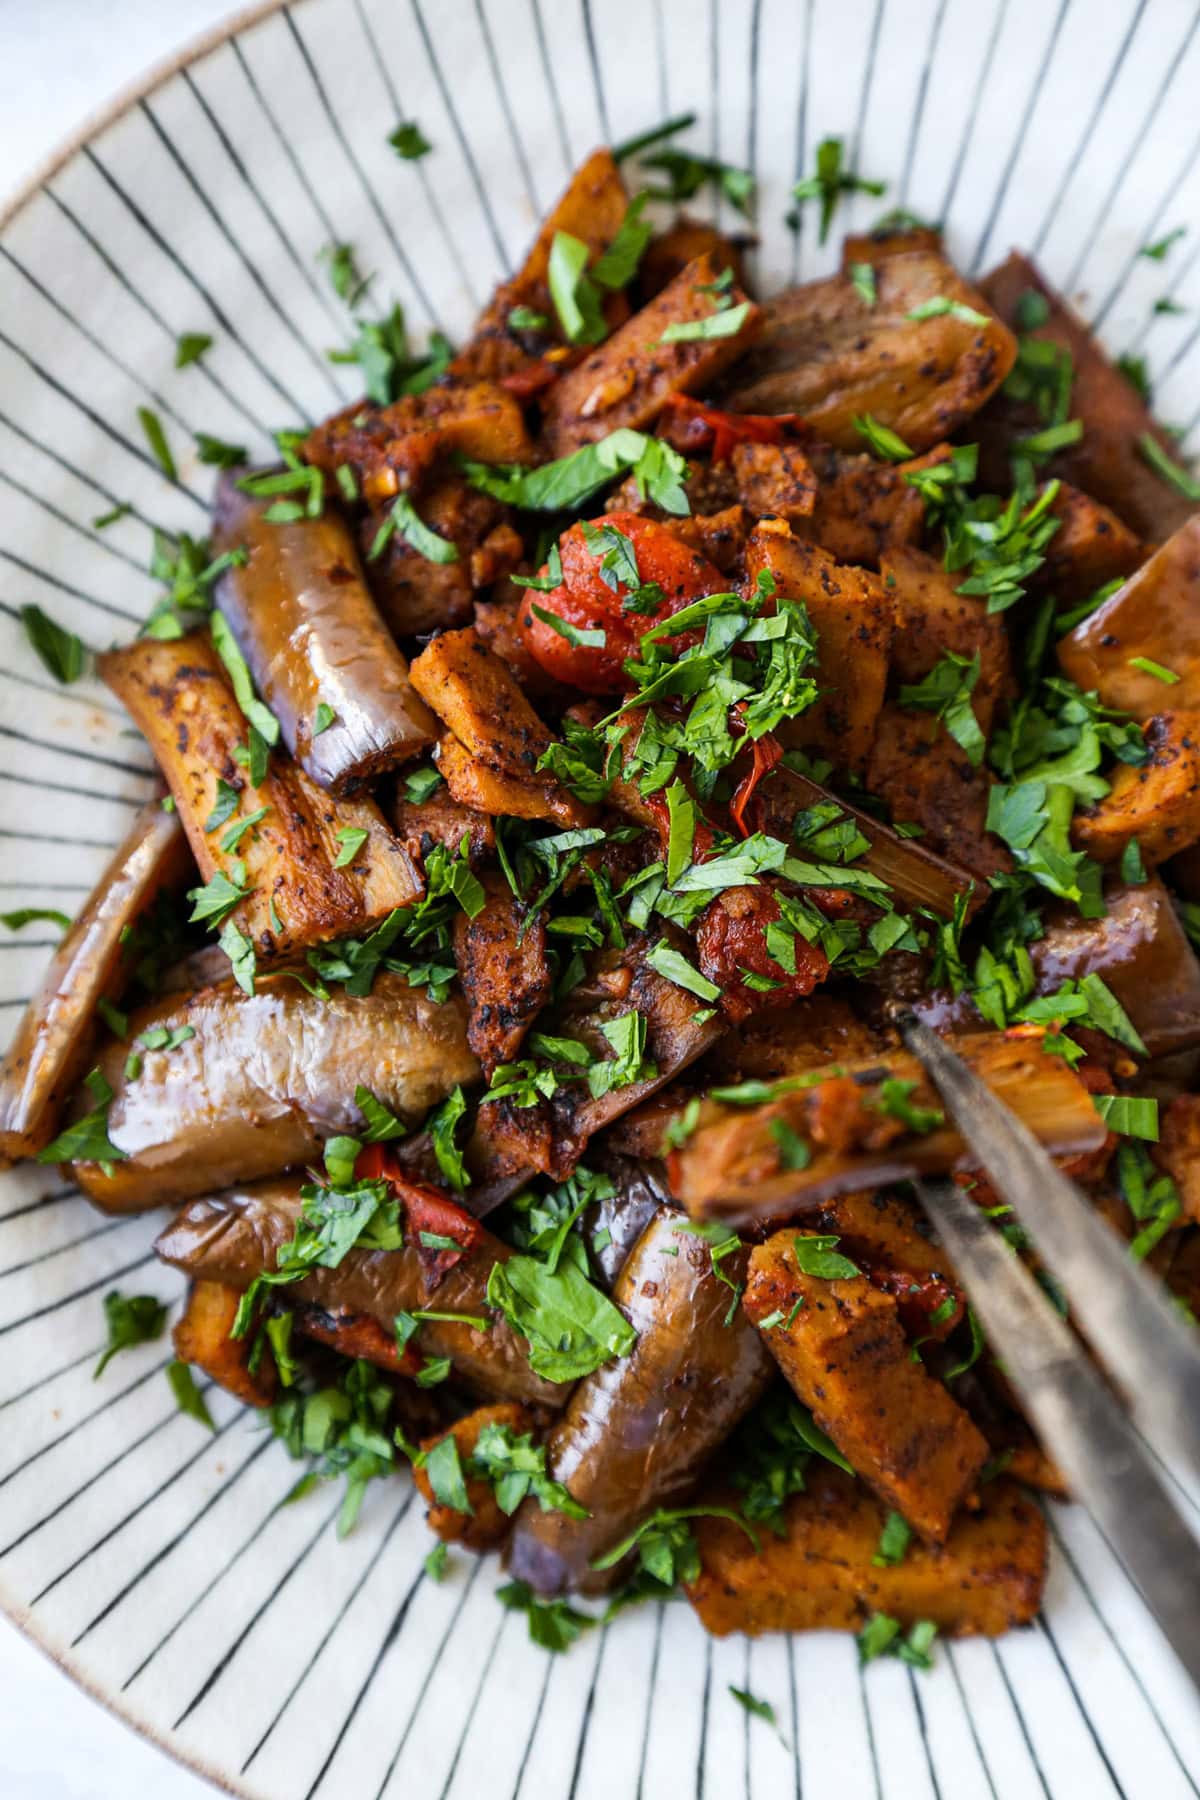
(918, 1297)
(731, 938)
(426, 1210)
(585, 601)
(691, 426)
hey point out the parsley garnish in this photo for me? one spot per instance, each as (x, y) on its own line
(137, 1320)
(570, 1326)
(1156, 252)
(565, 484)
(946, 691)
(156, 437)
(894, 1540)
(409, 141)
(188, 1397)
(190, 347)
(29, 915)
(816, 1254)
(894, 1099)
(724, 323)
(59, 651)
(1172, 472)
(831, 181)
(403, 516)
(882, 439)
(576, 298)
(553, 1624)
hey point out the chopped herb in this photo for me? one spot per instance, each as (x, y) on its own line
(862, 279)
(675, 967)
(794, 1153)
(1172, 472)
(1165, 307)
(137, 1320)
(816, 1255)
(116, 1020)
(188, 1397)
(758, 1709)
(217, 898)
(575, 295)
(553, 1624)
(564, 485)
(61, 652)
(574, 634)
(571, 1327)
(403, 516)
(190, 347)
(893, 1541)
(1048, 442)
(1157, 251)
(389, 368)
(344, 276)
(237, 831)
(381, 1124)
(947, 691)
(1129, 1115)
(29, 915)
(666, 1547)
(686, 174)
(443, 1467)
(87, 1139)
(225, 805)
(226, 646)
(721, 324)
(894, 1100)
(1133, 869)
(351, 838)
(435, 1562)
(831, 181)
(1136, 373)
(882, 439)
(616, 266)
(632, 146)
(442, 1126)
(323, 718)
(524, 318)
(242, 959)
(939, 307)
(1148, 666)
(421, 785)
(516, 1466)
(409, 141)
(156, 437)
(102, 521)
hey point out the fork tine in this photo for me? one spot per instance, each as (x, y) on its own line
(1094, 1442)
(1150, 1351)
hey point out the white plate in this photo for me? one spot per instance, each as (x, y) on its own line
(146, 1556)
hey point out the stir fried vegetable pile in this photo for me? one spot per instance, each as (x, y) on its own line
(579, 752)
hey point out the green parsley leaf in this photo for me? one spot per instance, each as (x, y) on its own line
(87, 1139)
(156, 437)
(116, 1020)
(947, 691)
(553, 1624)
(216, 899)
(188, 1397)
(215, 453)
(240, 951)
(758, 1709)
(137, 1320)
(1137, 374)
(686, 174)
(939, 306)
(882, 439)
(893, 1099)
(443, 1466)
(632, 146)
(102, 521)
(816, 1255)
(381, 1126)
(59, 651)
(344, 276)
(409, 141)
(403, 516)
(894, 1540)
(794, 1153)
(862, 279)
(1148, 666)
(226, 646)
(727, 322)
(627, 1038)
(190, 347)
(351, 838)
(564, 485)
(323, 718)
(29, 915)
(575, 295)
(673, 966)
(1130, 1115)
(1133, 869)
(616, 266)
(574, 634)
(666, 1546)
(516, 1466)
(442, 1126)
(1156, 252)
(571, 1327)
(421, 786)
(831, 181)
(1171, 472)
(237, 831)
(435, 1562)
(1049, 441)
(224, 805)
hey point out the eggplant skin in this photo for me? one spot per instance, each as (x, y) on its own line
(264, 1079)
(53, 1041)
(235, 1236)
(637, 1433)
(304, 618)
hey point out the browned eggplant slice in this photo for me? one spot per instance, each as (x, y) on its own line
(638, 1432)
(237, 1235)
(321, 656)
(263, 1079)
(53, 1040)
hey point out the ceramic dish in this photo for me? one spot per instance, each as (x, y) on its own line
(154, 1562)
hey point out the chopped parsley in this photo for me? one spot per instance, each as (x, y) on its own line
(59, 651)
(881, 438)
(138, 1319)
(571, 1326)
(816, 1254)
(409, 141)
(156, 437)
(946, 691)
(831, 181)
(553, 1624)
(190, 347)
(402, 516)
(188, 1397)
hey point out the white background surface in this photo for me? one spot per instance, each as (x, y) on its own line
(60, 62)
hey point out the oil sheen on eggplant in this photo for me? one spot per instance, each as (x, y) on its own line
(263, 1080)
(50, 1047)
(302, 613)
(235, 1236)
(638, 1432)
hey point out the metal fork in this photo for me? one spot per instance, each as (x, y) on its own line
(1151, 1353)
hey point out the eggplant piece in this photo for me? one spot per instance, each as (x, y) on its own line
(303, 616)
(1140, 950)
(178, 694)
(637, 1433)
(933, 617)
(264, 1078)
(915, 875)
(733, 1166)
(824, 353)
(393, 449)
(53, 1041)
(612, 1226)
(1106, 462)
(824, 1573)
(630, 378)
(1154, 617)
(235, 1236)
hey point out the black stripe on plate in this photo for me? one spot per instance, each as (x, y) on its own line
(44, 785)
(589, 35)
(260, 1612)
(89, 1356)
(54, 1306)
(95, 539)
(1018, 142)
(923, 1728)
(114, 1399)
(870, 1724)
(477, 182)
(536, 1720)
(651, 1686)
(250, 264)
(967, 135)
(552, 84)
(506, 108)
(183, 1532)
(84, 476)
(55, 1195)
(585, 1724)
(182, 1468)
(284, 142)
(802, 134)
(201, 368)
(503, 1619)
(66, 587)
(430, 1671)
(952, 1663)
(88, 1237)
(372, 198)
(705, 1692)
(336, 1619)
(1024, 1728)
(226, 321)
(1157, 218)
(1101, 1752)
(918, 112)
(90, 756)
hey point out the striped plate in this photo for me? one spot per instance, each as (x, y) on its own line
(151, 1559)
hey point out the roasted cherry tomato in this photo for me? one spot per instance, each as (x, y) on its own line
(693, 427)
(731, 940)
(587, 602)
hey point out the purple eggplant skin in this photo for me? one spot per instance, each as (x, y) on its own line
(304, 619)
(636, 1434)
(235, 1236)
(624, 1214)
(263, 1079)
(53, 1041)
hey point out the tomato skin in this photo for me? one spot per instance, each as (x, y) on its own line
(731, 937)
(586, 601)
